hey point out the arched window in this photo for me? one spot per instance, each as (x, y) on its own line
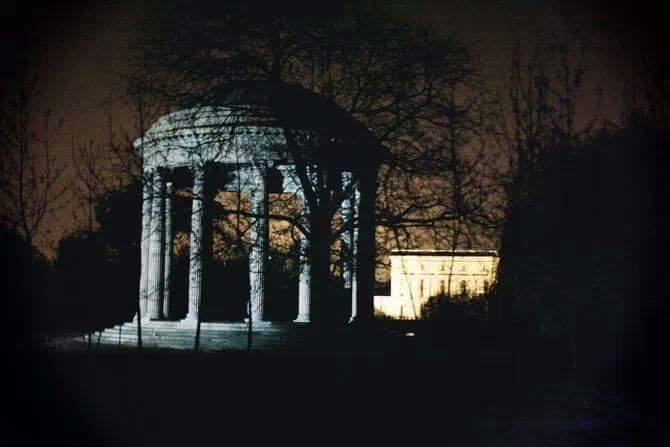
(464, 287)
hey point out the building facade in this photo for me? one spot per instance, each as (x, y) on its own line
(416, 275)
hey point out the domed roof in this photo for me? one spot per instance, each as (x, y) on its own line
(279, 104)
(264, 111)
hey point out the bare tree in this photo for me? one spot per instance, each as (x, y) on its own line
(537, 108)
(31, 179)
(123, 165)
(90, 163)
(405, 83)
(538, 125)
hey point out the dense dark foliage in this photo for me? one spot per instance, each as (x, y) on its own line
(24, 286)
(454, 309)
(574, 254)
(97, 272)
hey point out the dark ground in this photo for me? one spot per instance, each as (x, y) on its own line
(443, 394)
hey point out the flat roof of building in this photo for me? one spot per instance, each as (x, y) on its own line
(428, 252)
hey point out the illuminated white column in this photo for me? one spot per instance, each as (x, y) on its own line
(304, 297)
(258, 255)
(167, 268)
(351, 240)
(155, 271)
(144, 244)
(197, 246)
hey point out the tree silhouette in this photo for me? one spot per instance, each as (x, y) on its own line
(97, 271)
(31, 178)
(26, 282)
(568, 232)
(402, 81)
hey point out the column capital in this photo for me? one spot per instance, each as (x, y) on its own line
(197, 170)
(260, 164)
(259, 177)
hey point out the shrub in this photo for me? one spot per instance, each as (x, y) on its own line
(452, 308)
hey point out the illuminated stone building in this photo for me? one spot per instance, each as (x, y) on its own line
(416, 275)
(243, 134)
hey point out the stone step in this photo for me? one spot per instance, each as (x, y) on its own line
(214, 339)
(188, 344)
(204, 346)
(283, 336)
(202, 336)
(208, 327)
(205, 334)
(169, 323)
(214, 324)
(189, 340)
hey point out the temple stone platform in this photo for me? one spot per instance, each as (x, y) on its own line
(214, 336)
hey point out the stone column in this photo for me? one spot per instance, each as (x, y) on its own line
(155, 270)
(304, 297)
(365, 255)
(260, 235)
(144, 244)
(196, 261)
(167, 269)
(350, 239)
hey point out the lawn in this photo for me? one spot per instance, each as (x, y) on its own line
(468, 397)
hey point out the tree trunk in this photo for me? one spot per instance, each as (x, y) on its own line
(322, 303)
(573, 355)
(365, 258)
(139, 326)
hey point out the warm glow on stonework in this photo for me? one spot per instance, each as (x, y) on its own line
(416, 275)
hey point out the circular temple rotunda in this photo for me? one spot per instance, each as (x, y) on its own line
(254, 131)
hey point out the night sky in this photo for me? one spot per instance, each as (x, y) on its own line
(83, 46)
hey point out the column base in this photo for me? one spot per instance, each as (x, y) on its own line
(259, 323)
(302, 319)
(358, 320)
(189, 320)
